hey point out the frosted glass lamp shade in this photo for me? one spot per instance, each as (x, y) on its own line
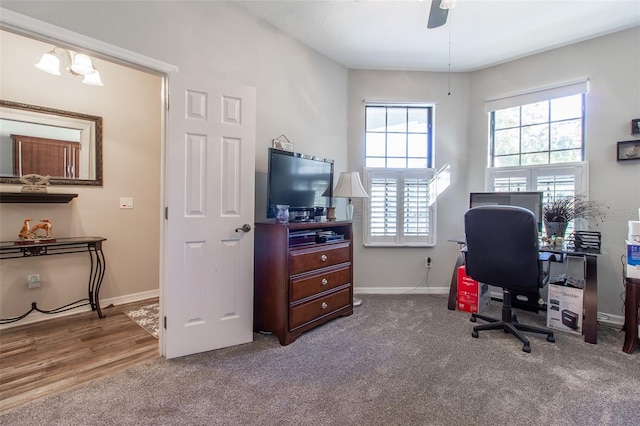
(49, 63)
(82, 64)
(93, 79)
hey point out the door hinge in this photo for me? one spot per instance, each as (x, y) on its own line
(165, 322)
(166, 213)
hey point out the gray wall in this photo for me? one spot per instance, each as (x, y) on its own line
(382, 269)
(612, 65)
(300, 94)
(317, 104)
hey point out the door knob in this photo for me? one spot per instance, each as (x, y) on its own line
(245, 228)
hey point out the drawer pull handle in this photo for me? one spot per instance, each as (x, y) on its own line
(323, 257)
(324, 305)
(324, 281)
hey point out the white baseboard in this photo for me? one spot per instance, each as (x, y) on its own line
(401, 290)
(603, 318)
(120, 300)
(610, 319)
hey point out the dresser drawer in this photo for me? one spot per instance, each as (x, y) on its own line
(309, 259)
(307, 312)
(315, 283)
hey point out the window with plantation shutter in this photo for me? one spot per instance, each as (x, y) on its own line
(383, 205)
(398, 175)
(510, 184)
(553, 180)
(400, 211)
(416, 211)
(536, 142)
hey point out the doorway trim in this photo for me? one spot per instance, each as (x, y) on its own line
(42, 31)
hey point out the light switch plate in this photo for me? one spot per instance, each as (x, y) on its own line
(126, 202)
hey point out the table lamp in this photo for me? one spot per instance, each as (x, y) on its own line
(349, 186)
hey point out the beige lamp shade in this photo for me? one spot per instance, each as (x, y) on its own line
(349, 186)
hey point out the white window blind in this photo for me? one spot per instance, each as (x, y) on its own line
(543, 94)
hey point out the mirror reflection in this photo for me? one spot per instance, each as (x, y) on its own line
(67, 146)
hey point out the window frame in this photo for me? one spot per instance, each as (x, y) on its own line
(399, 239)
(408, 105)
(530, 174)
(549, 123)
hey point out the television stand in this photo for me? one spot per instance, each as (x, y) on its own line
(300, 280)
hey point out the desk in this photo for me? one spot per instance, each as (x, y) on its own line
(631, 305)
(92, 245)
(590, 321)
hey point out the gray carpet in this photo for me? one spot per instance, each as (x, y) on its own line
(399, 360)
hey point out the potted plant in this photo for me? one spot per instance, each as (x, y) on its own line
(559, 211)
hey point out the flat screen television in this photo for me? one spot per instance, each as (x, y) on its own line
(303, 182)
(529, 200)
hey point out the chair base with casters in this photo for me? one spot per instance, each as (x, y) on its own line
(509, 324)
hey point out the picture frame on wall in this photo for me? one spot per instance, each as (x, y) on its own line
(282, 143)
(635, 126)
(628, 150)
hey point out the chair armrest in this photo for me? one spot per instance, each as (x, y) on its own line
(546, 258)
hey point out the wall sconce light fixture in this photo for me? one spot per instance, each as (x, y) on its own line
(78, 64)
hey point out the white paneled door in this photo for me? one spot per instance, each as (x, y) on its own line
(207, 291)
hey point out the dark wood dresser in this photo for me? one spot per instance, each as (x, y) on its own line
(303, 276)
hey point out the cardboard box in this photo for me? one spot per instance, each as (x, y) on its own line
(633, 260)
(565, 308)
(472, 296)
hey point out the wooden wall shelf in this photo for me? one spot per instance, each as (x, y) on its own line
(34, 197)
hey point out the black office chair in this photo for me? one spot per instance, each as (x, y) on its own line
(502, 250)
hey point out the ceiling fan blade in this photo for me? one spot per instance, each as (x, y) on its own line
(437, 16)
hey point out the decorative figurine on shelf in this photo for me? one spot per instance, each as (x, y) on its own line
(46, 225)
(331, 213)
(34, 183)
(29, 234)
(24, 231)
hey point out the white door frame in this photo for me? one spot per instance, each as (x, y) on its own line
(43, 31)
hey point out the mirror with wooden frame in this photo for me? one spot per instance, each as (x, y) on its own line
(67, 146)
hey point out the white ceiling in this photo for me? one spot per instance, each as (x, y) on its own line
(393, 34)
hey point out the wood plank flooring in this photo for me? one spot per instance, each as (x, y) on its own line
(45, 358)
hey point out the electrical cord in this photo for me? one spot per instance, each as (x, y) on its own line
(426, 281)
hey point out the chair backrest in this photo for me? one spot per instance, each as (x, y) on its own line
(502, 247)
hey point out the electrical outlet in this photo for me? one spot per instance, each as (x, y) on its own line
(427, 262)
(33, 280)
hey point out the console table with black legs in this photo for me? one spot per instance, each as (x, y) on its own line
(90, 245)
